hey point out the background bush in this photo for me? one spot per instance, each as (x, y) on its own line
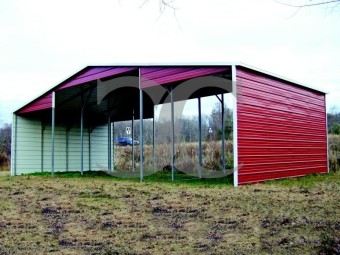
(334, 152)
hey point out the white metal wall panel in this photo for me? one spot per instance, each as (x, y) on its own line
(28, 146)
(29, 143)
(99, 148)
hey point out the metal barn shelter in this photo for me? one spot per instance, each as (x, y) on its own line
(279, 126)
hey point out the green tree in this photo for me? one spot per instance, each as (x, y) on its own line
(335, 129)
(215, 121)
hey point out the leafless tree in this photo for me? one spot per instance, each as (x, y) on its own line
(310, 3)
(163, 5)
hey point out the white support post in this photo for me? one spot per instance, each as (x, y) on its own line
(200, 162)
(235, 133)
(82, 141)
(133, 141)
(109, 152)
(223, 133)
(42, 147)
(89, 133)
(172, 136)
(141, 132)
(113, 146)
(67, 148)
(53, 131)
(153, 141)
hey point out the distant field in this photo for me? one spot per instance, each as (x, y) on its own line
(69, 214)
(186, 155)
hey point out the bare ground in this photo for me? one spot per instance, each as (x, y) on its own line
(43, 215)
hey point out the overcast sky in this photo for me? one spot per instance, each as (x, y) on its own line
(44, 42)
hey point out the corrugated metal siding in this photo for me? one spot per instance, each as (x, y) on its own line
(59, 149)
(94, 73)
(29, 142)
(281, 129)
(151, 76)
(42, 103)
(99, 149)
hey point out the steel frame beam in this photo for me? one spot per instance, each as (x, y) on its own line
(153, 141)
(113, 146)
(222, 129)
(82, 142)
(235, 131)
(133, 143)
(140, 130)
(200, 162)
(109, 152)
(89, 134)
(53, 132)
(172, 136)
(223, 133)
(67, 148)
(42, 146)
(82, 128)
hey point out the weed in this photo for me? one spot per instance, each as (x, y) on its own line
(329, 244)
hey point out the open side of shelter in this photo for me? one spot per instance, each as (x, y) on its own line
(279, 126)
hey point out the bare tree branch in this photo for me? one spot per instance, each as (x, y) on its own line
(310, 4)
(163, 4)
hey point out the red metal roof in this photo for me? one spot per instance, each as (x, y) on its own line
(94, 73)
(86, 75)
(151, 76)
(42, 103)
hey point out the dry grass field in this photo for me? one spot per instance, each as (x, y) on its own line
(99, 214)
(186, 156)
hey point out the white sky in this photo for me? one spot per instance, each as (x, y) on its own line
(44, 42)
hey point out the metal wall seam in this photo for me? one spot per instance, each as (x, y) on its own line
(235, 125)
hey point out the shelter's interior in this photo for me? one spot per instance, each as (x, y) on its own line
(82, 106)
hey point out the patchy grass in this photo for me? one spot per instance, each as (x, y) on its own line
(159, 177)
(310, 180)
(5, 168)
(99, 214)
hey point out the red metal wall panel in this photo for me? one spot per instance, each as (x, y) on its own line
(42, 103)
(94, 73)
(151, 76)
(281, 128)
